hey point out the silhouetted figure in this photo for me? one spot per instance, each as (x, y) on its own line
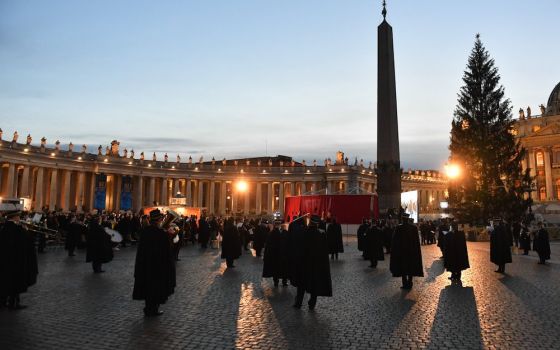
(361, 234)
(259, 237)
(309, 261)
(18, 261)
(525, 240)
(456, 254)
(99, 245)
(500, 248)
(276, 259)
(388, 231)
(542, 244)
(516, 232)
(203, 232)
(373, 245)
(74, 235)
(406, 256)
(154, 270)
(334, 239)
(231, 243)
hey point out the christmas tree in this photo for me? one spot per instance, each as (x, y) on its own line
(484, 147)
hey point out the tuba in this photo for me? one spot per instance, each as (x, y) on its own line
(169, 218)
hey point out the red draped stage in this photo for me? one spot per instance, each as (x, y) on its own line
(347, 208)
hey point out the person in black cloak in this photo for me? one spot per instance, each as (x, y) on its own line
(231, 242)
(406, 256)
(99, 245)
(18, 261)
(443, 229)
(276, 255)
(373, 245)
(334, 239)
(525, 240)
(309, 261)
(74, 235)
(516, 232)
(500, 249)
(361, 234)
(259, 238)
(542, 244)
(456, 254)
(388, 229)
(154, 270)
(203, 232)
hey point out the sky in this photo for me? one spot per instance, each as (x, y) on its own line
(238, 78)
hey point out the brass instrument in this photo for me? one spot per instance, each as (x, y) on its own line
(169, 218)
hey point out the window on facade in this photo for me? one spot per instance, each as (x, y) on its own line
(542, 194)
(540, 159)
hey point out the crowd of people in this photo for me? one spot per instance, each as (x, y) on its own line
(295, 253)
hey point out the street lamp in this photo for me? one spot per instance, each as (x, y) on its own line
(453, 171)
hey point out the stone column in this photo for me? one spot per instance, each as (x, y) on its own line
(281, 198)
(211, 197)
(80, 191)
(247, 201)
(269, 199)
(67, 190)
(117, 192)
(548, 174)
(39, 193)
(91, 191)
(188, 193)
(25, 182)
(138, 201)
(533, 172)
(176, 187)
(258, 195)
(163, 193)
(200, 195)
(152, 191)
(234, 195)
(292, 188)
(53, 190)
(223, 198)
(10, 183)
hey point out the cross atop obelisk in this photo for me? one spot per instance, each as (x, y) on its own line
(388, 158)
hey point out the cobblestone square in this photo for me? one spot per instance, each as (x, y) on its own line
(214, 308)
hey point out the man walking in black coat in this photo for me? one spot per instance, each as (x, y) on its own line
(334, 239)
(259, 238)
(203, 232)
(18, 261)
(361, 234)
(525, 240)
(406, 256)
(231, 243)
(154, 270)
(373, 245)
(74, 235)
(542, 244)
(99, 245)
(500, 248)
(310, 269)
(456, 254)
(276, 255)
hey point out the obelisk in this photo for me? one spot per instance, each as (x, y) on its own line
(388, 160)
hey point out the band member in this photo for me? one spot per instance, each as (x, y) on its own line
(334, 239)
(99, 245)
(542, 244)
(259, 239)
(406, 256)
(309, 262)
(456, 254)
(231, 243)
(525, 239)
(276, 255)
(361, 234)
(74, 235)
(154, 270)
(500, 248)
(373, 245)
(18, 261)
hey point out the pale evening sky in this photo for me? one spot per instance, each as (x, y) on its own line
(226, 78)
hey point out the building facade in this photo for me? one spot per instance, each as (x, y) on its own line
(540, 136)
(56, 179)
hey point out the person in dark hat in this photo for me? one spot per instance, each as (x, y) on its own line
(259, 239)
(334, 239)
(406, 256)
(542, 244)
(276, 255)
(361, 234)
(373, 245)
(18, 261)
(500, 249)
(154, 269)
(231, 243)
(310, 262)
(99, 246)
(456, 255)
(525, 239)
(203, 232)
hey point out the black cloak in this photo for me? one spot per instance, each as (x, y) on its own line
(276, 260)
(334, 238)
(99, 245)
(406, 256)
(456, 254)
(18, 260)
(500, 251)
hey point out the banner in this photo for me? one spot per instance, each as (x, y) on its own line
(348, 209)
(100, 191)
(126, 193)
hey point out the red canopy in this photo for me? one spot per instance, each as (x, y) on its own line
(347, 208)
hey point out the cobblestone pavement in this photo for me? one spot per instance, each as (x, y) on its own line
(72, 308)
